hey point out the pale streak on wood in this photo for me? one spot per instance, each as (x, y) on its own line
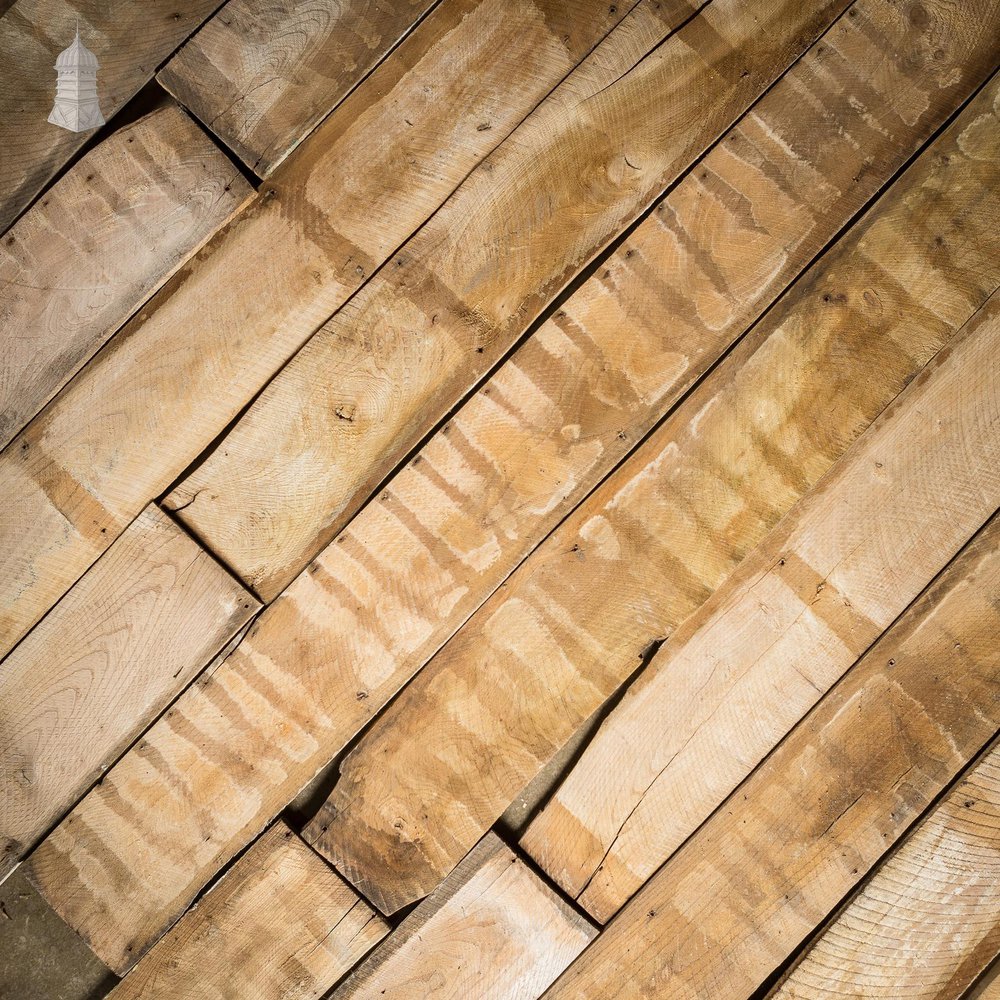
(385, 369)
(159, 393)
(279, 925)
(927, 923)
(106, 660)
(103, 239)
(491, 929)
(629, 342)
(807, 826)
(262, 74)
(129, 43)
(654, 541)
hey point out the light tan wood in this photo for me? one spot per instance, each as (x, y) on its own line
(417, 561)
(927, 923)
(262, 74)
(279, 925)
(100, 667)
(129, 42)
(988, 988)
(377, 378)
(660, 535)
(184, 367)
(71, 271)
(491, 929)
(803, 831)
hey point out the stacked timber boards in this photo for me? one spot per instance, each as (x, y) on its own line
(597, 404)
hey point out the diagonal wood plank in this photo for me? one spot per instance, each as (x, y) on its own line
(599, 366)
(130, 41)
(659, 536)
(802, 832)
(279, 925)
(102, 240)
(771, 641)
(491, 929)
(101, 666)
(377, 378)
(927, 923)
(262, 74)
(185, 366)
(988, 988)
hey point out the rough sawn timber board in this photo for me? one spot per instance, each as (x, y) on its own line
(261, 74)
(169, 383)
(105, 237)
(420, 558)
(377, 378)
(739, 897)
(100, 667)
(652, 543)
(927, 922)
(279, 925)
(129, 40)
(492, 929)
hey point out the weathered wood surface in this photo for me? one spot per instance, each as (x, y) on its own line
(492, 929)
(279, 925)
(927, 923)
(604, 369)
(103, 238)
(377, 378)
(988, 988)
(807, 826)
(101, 666)
(130, 41)
(168, 384)
(262, 74)
(665, 530)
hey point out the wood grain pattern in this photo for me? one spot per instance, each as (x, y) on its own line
(491, 929)
(777, 634)
(802, 832)
(101, 666)
(279, 925)
(130, 41)
(988, 988)
(654, 541)
(262, 74)
(102, 240)
(419, 559)
(928, 921)
(379, 376)
(184, 367)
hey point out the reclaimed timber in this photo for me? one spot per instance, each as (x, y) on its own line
(100, 242)
(379, 376)
(279, 925)
(102, 665)
(492, 929)
(806, 827)
(262, 74)
(660, 535)
(927, 922)
(617, 355)
(181, 370)
(129, 41)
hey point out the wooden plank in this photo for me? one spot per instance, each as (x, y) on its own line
(419, 559)
(491, 929)
(263, 74)
(808, 825)
(927, 923)
(649, 547)
(134, 419)
(279, 925)
(379, 376)
(129, 43)
(988, 988)
(99, 243)
(102, 665)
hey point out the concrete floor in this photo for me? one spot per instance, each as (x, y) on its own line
(40, 957)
